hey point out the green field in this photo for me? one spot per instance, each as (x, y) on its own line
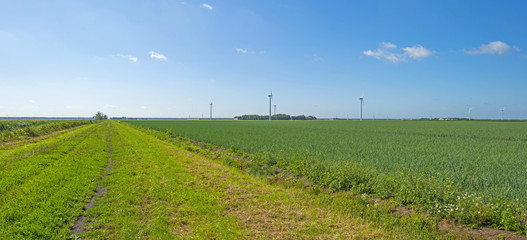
(110, 180)
(473, 171)
(114, 180)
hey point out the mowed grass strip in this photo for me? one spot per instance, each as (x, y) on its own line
(52, 183)
(160, 191)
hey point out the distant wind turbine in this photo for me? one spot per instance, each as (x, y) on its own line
(210, 110)
(270, 103)
(502, 109)
(361, 103)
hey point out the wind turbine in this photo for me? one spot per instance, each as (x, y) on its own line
(270, 103)
(361, 103)
(274, 109)
(469, 111)
(502, 109)
(210, 110)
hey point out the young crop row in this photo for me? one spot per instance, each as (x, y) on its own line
(470, 171)
(19, 130)
(45, 185)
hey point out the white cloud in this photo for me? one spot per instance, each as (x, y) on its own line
(245, 51)
(31, 101)
(144, 107)
(388, 45)
(387, 52)
(417, 52)
(127, 57)
(207, 6)
(157, 56)
(382, 53)
(241, 50)
(496, 47)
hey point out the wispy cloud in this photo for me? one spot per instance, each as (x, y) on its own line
(388, 51)
(127, 57)
(388, 45)
(245, 51)
(158, 56)
(31, 101)
(496, 47)
(317, 58)
(207, 6)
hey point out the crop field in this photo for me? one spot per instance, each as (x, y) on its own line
(115, 180)
(109, 180)
(472, 171)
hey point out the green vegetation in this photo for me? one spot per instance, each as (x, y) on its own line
(118, 181)
(157, 190)
(100, 116)
(23, 129)
(129, 183)
(44, 185)
(471, 171)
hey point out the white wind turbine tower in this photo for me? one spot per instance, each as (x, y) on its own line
(469, 112)
(502, 109)
(210, 110)
(270, 103)
(361, 103)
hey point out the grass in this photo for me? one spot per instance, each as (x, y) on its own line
(149, 184)
(158, 190)
(153, 186)
(470, 171)
(17, 130)
(44, 185)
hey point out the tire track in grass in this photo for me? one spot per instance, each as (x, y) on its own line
(79, 226)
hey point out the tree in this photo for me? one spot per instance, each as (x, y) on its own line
(100, 116)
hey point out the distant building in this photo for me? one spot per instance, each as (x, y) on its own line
(238, 118)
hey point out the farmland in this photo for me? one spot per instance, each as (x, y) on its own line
(115, 180)
(472, 171)
(110, 180)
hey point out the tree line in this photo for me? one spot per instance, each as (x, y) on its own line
(277, 117)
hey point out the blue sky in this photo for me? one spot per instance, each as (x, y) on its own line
(160, 58)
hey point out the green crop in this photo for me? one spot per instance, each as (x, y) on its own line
(473, 171)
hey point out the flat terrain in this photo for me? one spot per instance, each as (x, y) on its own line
(109, 180)
(473, 171)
